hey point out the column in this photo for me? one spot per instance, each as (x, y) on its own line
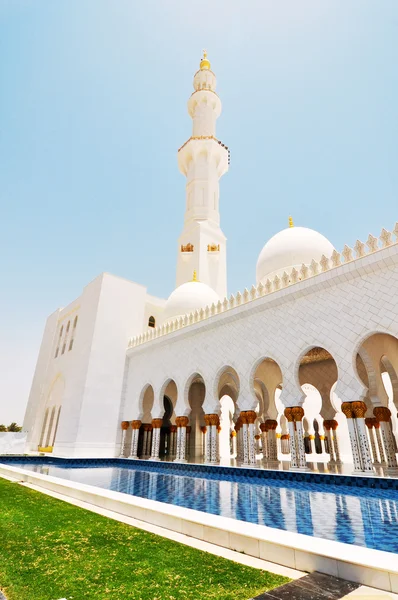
(234, 444)
(183, 439)
(359, 409)
(214, 423)
(204, 431)
(182, 423)
(218, 431)
(251, 419)
(173, 441)
(383, 415)
(285, 443)
(383, 461)
(263, 429)
(188, 443)
(333, 431)
(298, 414)
(156, 424)
(292, 438)
(272, 440)
(125, 426)
(134, 440)
(329, 436)
(208, 438)
(355, 413)
(149, 441)
(347, 410)
(369, 422)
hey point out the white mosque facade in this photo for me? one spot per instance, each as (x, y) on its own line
(301, 367)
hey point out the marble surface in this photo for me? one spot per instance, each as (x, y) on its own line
(316, 586)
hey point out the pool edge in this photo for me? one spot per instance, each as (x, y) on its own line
(369, 567)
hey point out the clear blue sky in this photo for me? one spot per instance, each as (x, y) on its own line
(93, 109)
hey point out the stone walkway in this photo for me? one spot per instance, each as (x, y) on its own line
(318, 586)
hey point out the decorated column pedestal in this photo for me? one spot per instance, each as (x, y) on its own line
(134, 439)
(334, 425)
(125, 426)
(156, 425)
(383, 416)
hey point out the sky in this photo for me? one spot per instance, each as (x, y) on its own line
(93, 109)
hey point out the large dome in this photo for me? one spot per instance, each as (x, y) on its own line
(290, 248)
(187, 298)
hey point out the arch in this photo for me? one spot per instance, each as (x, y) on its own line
(265, 378)
(195, 394)
(145, 403)
(226, 376)
(389, 369)
(151, 321)
(75, 322)
(378, 353)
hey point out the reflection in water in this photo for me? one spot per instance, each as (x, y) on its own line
(360, 516)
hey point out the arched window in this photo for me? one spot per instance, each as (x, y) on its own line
(67, 327)
(61, 331)
(75, 322)
(63, 348)
(70, 345)
(56, 352)
(151, 322)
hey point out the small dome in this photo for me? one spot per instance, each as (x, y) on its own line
(290, 248)
(187, 298)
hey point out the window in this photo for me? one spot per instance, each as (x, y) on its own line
(61, 331)
(151, 322)
(70, 345)
(56, 352)
(63, 348)
(67, 327)
(75, 322)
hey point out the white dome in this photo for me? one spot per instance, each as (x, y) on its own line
(290, 248)
(187, 298)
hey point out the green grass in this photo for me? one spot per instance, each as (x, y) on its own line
(50, 549)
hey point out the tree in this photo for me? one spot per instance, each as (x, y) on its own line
(3, 428)
(14, 427)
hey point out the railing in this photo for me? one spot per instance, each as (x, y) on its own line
(373, 244)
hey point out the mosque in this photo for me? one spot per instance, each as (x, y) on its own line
(302, 367)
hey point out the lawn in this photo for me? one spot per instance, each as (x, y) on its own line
(50, 550)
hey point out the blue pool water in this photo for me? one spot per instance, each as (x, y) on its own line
(354, 515)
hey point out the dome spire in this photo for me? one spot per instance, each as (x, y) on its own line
(195, 277)
(291, 224)
(204, 63)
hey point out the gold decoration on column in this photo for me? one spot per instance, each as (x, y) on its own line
(298, 413)
(125, 425)
(288, 414)
(264, 427)
(382, 413)
(359, 409)
(346, 409)
(233, 434)
(271, 424)
(251, 416)
(136, 424)
(203, 429)
(157, 423)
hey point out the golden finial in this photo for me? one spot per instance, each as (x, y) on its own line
(194, 278)
(204, 63)
(291, 224)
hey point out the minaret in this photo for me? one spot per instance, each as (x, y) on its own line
(203, 159)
